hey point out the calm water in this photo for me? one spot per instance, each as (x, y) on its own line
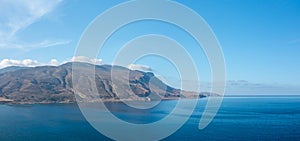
(238, 119)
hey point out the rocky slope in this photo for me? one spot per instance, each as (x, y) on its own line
(51, 84)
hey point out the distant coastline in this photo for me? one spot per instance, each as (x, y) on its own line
(108, 100)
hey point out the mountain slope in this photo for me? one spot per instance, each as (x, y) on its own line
(11, 68)
(50, 84)
(54, 84)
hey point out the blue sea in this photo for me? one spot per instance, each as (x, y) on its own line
(239, 118)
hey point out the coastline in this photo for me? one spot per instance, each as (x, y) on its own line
(11, 102)
(5, 100)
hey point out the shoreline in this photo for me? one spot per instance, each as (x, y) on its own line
(4, 101)
(11, 102)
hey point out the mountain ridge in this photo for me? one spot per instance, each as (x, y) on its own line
(53, 84)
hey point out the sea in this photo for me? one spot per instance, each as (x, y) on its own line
(245, 118)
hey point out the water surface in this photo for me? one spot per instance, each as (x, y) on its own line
(251, 118)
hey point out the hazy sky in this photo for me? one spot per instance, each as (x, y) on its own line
(260, 39)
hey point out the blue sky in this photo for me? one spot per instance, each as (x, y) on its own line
(260, 39)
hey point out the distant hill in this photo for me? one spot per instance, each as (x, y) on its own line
(53, 84)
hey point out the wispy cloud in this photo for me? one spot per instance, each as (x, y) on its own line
(295, 41)
(17, 15)
(30, 46)
(240, 87)
(246, 87)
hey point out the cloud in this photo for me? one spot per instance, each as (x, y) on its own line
(295, 41)
(86, 60)
(247, 87)
(27, 63)
(30, 46)
(16, 15)
(19, 14)
(24, 63)
(139, 67)
(241, 87)
(53, 62)
(232, 86)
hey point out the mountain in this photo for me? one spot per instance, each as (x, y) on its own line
(11, 68)
(53, 84)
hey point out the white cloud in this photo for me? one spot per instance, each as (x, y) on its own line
(139, 67)
(25, 63)
(53, 62)
(19, 14)
(16, 15)
(86, 60)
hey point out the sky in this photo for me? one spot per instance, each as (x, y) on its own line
(260, 39)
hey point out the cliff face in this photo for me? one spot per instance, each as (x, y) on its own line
(50, 84)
